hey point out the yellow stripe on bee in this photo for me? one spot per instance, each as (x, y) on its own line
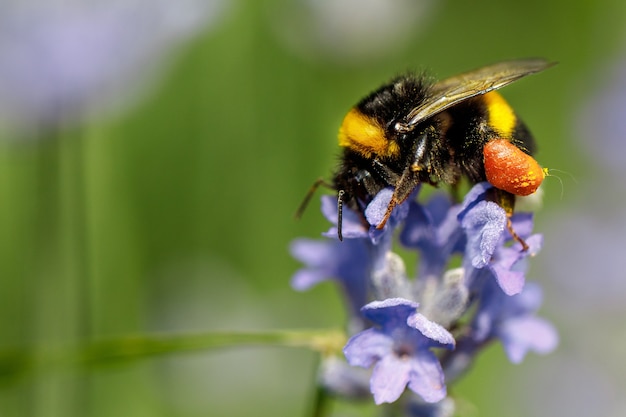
(501, 116)
(365, 135)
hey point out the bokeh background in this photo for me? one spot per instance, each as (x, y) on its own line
(153, 153)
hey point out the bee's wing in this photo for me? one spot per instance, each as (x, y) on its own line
(454, 90)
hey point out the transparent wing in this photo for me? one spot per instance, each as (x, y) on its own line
(453, 90)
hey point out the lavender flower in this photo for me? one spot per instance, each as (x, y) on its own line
(345, 262)
(601, 117)
(400, 350)
(512, 320)
(362, 253)
(425, 333)
(484, 223)
(434, 230)
(63, 61)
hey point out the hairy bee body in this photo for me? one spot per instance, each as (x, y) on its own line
(414, 130)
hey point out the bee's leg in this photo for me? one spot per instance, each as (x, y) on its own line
(411, 176)
(307, 198)
(506, 200)
(509, 226)
(385, 172)
(404, 186)
(392, 204)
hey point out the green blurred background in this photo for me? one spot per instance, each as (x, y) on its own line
(176, 215)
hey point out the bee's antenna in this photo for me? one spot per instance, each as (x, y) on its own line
(549, 173)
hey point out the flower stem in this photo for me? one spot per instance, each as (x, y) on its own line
(129, 348)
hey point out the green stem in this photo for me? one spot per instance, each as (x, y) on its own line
(15, 362)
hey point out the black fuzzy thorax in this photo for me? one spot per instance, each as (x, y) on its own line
(362, 178)
(393, 101)
(452, 140)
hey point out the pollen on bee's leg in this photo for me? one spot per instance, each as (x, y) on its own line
(508, 168)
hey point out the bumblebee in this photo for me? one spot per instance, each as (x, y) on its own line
(412, 131)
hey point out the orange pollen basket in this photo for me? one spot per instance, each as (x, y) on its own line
(508, 168)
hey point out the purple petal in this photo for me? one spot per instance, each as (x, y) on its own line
(475, 195)
(530, 299)
(511, 282)
(483, 325)
(509, 267)
(431, 329)
(522, 224)
(431, 226)
(390, 312)
(352, 226)
(346, 262)
(535, 243)
(329, 208)
(492, 307)
(521, 334)
(438, 207)
(484, 225)
(311, 252)
(449, 232)
(389, 379)
(427, 377)
(304, 279)
(419, 230)
(367, 347)
(376, 210)
(315, 254)
(435, 231)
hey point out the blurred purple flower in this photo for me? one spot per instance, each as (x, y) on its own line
(600, 125)
(586, 253)
(509, 263)
(512, 320)
(500, 317)
(361, 263)
(347, 262)
(399, 349)
(588, 238)
(66, 61)
(351, 30)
